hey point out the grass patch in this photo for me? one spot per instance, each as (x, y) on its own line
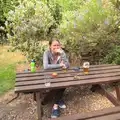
(7, 77)
(8, 62)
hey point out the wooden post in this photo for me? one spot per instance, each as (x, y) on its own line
(38, 100)
(117, 88)
(34, 96)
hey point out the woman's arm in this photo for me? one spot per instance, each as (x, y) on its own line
(46, 64)
(65, 59)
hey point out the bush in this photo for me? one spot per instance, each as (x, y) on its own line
(5, 7)
(28, 26)
(113, 56)
(3, 39)
(91, 30)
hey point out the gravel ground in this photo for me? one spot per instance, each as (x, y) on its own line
(77, 99)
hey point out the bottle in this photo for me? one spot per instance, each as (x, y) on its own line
(32, 66)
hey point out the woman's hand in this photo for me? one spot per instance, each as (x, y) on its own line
(62, 65)
(58, 51)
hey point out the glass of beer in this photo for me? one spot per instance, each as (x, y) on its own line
(86, 67)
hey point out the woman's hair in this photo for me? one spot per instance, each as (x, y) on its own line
(53, 39)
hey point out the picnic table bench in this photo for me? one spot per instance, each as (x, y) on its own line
(35, 81)
(104, 114)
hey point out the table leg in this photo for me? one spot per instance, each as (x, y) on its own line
(34, 96)
(117, 88)
(38, 100)
(109, 95)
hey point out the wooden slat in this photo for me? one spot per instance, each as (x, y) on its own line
(102, 72)
(68, 79)
(92, 66)
(66, 74)
(117, 88)
(49, 72)
(67, 84)
(42, 77)
(115, 116)
(103, 65)
(91, 115)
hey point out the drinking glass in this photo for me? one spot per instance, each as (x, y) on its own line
(47, 80)
(86, 67)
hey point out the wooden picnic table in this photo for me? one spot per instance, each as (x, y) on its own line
(35, 81)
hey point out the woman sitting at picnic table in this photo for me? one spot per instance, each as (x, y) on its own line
(55, 57)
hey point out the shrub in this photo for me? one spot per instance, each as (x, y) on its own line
(113, 56)
(28, 26)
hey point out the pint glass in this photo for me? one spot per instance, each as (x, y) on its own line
(86, 67)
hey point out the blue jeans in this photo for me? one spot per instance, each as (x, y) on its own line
(55, 94)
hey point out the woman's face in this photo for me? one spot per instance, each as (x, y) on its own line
(55, 46)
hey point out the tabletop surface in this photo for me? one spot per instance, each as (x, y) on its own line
(35, 81)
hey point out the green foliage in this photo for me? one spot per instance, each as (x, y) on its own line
(70, 5)
(56, 10)
(85, 26)
(2, 36)
(5, 7)
(85, 19)
(66, 5)
(116, 3)
(28, 26)
(113, 56)
(91, 29)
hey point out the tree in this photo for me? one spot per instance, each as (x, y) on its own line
(28, 26)
(90, 29)
(5, 7)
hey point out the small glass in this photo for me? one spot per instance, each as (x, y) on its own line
(86, 66)
(65, 69)
(47, 80)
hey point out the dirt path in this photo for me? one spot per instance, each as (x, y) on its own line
(79, 99)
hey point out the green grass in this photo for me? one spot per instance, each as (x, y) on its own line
(8, 62)
(7, 77)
